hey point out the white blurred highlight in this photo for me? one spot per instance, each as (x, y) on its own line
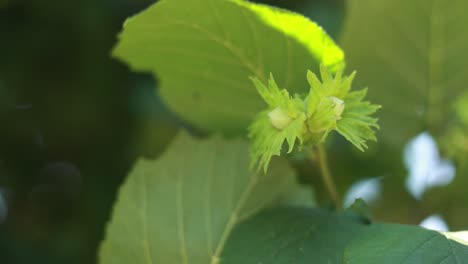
(368, 190)
(426, 168)
(436, 223)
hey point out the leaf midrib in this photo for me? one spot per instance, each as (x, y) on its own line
(234, 218)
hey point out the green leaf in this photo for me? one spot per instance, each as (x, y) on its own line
(291, 236)
(182, 207)
(411, 54)
(316, 236)
(204, 51)
(391, 243)
(360, 208)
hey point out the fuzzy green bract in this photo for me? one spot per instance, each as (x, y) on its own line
(328, 106)
(268, 136)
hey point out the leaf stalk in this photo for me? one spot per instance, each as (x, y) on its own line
(327, 178)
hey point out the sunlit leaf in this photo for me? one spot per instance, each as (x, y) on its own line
(460, 237)
(204, 51)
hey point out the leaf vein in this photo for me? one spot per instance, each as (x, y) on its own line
(208, 208)
(180, 218)
(259, 49)
(146, 238)
(233, 218)
(224, 43)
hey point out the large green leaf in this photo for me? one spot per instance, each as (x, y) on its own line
(390, 243)
(316, 236)
(411, 54)
(182, 207)
(291, 236)
(204, 52)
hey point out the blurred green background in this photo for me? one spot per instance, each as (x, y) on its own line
(73, 120)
